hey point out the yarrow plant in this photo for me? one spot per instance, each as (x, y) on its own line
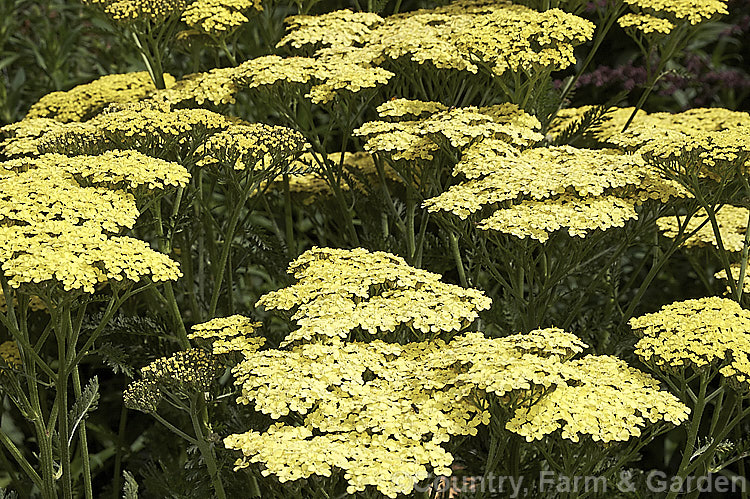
(340, 249)
(358, 403)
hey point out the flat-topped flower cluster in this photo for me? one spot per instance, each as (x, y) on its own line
(361, 406)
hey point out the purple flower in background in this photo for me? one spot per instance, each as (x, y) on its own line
(593, 6)
(627, 76)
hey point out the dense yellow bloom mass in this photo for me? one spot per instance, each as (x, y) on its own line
(698, 333)
(520, 363)
(380, 412)
(229, 334)
(732, 221)
(647, 127)
(149, 125)
(219, 17)
(183, 373)
(342, 28)
(225, 327)
(516, 38)
(646, 23)
(24, 137)
(459, 127)
(539, 173)
(338, 291)
(142, 395)
(328, 75)
(503, 35)
(292, 453)
(537, 219)
(113, 169)
(399, 108)
(482, 157)
(326, 382)
(693, 11)
(78, 257)
(697, 141)
(271, 69)
(139, 10)
(217, 86)
(736, 268)
(350, 51)
(602, 398)
(371, 404)
(154, 128)
(247, 145)
(146, 126)
(84, 101)
(188, 370)
(376, 410)
(711, 148)
(424, 37)
(554, 187)
(37, 196)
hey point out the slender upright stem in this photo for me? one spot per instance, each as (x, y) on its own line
(411, 247)
(20, 459)
(674, 43)
(226, 248)
(289, 220)
(88, 489)
(598, 39)
(63, 429)
(205, 448)
(153, 64)
(117, 476)
(165, 246)
(745, 247)
(227, 52)
(692, 435)
(455, 250)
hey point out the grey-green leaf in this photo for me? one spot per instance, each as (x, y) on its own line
(130, 488)
(86, 403)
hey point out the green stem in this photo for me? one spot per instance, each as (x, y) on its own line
(421, 239)
(227, 52)
(719, 404)
(174, 429)
(152, 66)
(205, 448)
(63, 333)
(674, 43)
(187, 267)
(165, 246)
(411, 246)
(117, 476)
(43, 435)
(652, 273)
(692, 436)
(457, 259)
(289, 220)
(711, 211)
(88, 490)
(26, 345)
(334, 183)
(174, 311)
(743, 262)
(27, 468)
(601, 34)
(226, 248)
